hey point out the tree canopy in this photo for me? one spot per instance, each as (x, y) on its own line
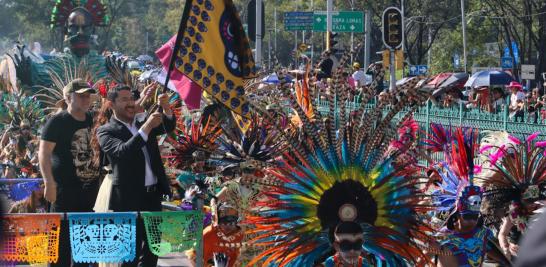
(432, 26)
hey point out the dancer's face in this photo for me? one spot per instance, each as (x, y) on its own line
(349, 247)
(228, 223)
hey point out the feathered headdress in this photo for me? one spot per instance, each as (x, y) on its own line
(339, 173)
(52, 97)
(63, 8)
(405, 144)
(16, 107)
(517, 176)
(457, 193)
(197, 135)
(248, 152)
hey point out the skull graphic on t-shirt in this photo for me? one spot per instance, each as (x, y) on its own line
(82, 154)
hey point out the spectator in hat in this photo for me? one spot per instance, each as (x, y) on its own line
(359, 75)
(65, 158)
(517, 98)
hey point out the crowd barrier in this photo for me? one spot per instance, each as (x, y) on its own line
(98, 237)
(458, 115)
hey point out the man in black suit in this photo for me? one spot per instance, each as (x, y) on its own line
(129, 142)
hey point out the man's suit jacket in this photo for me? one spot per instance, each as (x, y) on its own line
(124, 153)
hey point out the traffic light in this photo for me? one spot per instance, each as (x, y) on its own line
(392, 28)
(331, 40)
(398, 58)
(386, 58)
(251, 20)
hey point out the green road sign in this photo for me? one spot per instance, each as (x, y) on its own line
(298, 21)
(342, 21)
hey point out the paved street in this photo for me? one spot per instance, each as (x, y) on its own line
(174, 260)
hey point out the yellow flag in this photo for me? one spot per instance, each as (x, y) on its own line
(215, 52)
(242, 122)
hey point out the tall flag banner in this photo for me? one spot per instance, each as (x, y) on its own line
(32, 238)
(215, 53)
(302, 93)
(103, 237)
(188, 90)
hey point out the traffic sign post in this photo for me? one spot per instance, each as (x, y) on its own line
(342, 21)
(507, 63)
(298, 21)
(528, 72)
(416, 70)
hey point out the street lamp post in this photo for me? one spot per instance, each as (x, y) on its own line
(464, 33)
(259, 33)
(269, 51)
(403, 35)
(352, 32)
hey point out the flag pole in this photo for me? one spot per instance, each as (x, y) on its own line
(181, 29)
(179, 35)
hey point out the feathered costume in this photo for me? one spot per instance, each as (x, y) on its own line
(458, 196)
(517, 177)
(339, 172)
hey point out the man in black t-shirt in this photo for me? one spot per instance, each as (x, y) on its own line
(65, 156)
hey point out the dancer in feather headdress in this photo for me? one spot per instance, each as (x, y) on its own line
(406, 142)
(515, 186)
(339, 175)
(465, 241)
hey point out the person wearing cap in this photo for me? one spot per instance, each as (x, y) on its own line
(517, 100)
(65, 158)
(359, 75)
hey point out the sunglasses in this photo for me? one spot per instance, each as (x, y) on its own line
(348, 245)
(25, 128)
(228, 220)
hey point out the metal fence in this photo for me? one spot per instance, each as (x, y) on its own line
(456, 116)
(459, 115)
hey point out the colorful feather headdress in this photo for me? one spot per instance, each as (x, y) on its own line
(52, 97)
(63, 8)
(339, 173)
(517, 173)
(190, 137)
(16, 107)
(457, 192)
(247, 152)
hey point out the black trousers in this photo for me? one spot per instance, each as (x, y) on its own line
(150, 201)
(72, 198)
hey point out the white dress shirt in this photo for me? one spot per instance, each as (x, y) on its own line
(149, 177)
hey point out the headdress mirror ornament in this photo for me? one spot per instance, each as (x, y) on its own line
(347, 213)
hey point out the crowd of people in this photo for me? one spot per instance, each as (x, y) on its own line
(19, 147)
(523, 106)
